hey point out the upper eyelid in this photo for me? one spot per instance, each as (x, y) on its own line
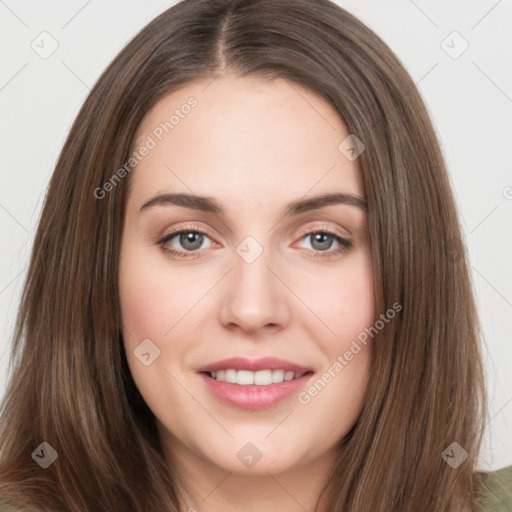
(322, 228)
(186, 229)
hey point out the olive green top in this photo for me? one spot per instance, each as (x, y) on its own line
(496, 497)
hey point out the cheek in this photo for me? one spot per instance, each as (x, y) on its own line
(143, 307)
(356, 296)
(344, 302)
(149, 304)
(152, 299)
(147, 298)
(346, 307)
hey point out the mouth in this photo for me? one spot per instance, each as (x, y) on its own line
(254, 384)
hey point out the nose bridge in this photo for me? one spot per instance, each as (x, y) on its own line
(252, 277)
(254, 297)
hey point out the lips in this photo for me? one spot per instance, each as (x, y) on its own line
(252, 396)
(254, 365)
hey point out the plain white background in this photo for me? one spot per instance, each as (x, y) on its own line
(468, 92)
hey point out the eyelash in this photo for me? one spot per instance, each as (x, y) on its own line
(345, 245)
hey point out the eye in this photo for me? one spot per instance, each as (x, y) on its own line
(321, 240)
(189, 240)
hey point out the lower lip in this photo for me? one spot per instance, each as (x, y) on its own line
(252, 396)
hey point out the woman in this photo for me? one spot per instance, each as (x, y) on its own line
(248, 289)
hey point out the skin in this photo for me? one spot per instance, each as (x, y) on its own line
(254, 146)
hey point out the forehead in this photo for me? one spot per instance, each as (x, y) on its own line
(243, 136)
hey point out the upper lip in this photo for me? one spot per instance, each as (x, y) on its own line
(254, 365)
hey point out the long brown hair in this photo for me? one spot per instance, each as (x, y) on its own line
(70, 384)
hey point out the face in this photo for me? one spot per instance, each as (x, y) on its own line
(240, 274)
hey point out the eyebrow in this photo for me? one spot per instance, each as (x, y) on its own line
(209, 205)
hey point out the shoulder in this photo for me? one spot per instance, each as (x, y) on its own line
(10, 508)
(6, 507)
(497, 491)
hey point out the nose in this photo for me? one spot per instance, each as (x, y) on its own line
(254, 297)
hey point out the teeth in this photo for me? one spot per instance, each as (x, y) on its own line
(260, 378)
